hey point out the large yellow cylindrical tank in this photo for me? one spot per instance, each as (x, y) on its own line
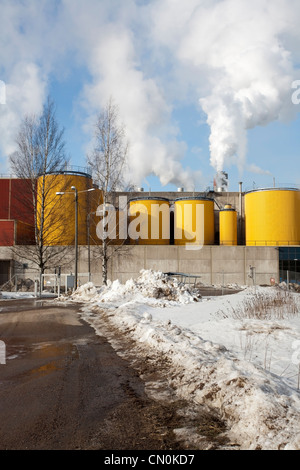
(194, 221)
(228, 226)
(56, 213)
(149, 221)
(272, 217)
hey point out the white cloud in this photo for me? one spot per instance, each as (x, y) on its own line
(28, 53)
(257, 170)
(234, 58)
(116, 70)
(25, 93)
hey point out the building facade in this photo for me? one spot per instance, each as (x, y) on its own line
(232, 231)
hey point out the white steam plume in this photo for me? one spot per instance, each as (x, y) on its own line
(113, 60)
(239, 56)
(142, 108)
(234, 57)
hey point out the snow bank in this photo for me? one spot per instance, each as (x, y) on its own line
(85, 293)
(200, 339)
(16, 295)
(151, 287)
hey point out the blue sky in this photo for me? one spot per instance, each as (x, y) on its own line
(201, 85)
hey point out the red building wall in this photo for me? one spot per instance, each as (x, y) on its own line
(21, 201)
(4, 199)
(16, 205)
(16, 200)
(7, 232)
(24, 233)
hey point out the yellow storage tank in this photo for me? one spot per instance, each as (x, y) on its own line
(59, 210)
(272, 217)
(149, 221)
(228, 226)
(194, 221)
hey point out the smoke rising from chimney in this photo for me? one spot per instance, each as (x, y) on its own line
(233, 58)
(238, 57)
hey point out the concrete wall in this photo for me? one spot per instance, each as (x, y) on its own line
(213, 263)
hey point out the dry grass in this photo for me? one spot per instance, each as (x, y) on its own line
(278, 306)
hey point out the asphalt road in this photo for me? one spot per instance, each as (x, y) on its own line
(63, 387)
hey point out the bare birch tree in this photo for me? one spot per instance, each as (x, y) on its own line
(108, 161)
(40, 151)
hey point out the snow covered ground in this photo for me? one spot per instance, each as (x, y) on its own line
(16, 295)
(23, 295)
(238, 353)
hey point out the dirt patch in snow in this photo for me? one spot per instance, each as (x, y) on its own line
(194, 426)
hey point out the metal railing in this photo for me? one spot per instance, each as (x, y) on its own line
(52, 283)
(190, 279)
(18, 282)
(8, 285)
(290, 277)
(275, 243)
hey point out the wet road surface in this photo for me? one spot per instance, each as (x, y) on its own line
(64, 387)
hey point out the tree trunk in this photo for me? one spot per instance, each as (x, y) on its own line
(104, 262)
(41, 283)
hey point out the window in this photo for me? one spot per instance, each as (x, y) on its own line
(289, 260)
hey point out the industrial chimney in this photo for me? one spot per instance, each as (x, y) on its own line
(221, 182)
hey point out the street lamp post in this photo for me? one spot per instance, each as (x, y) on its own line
(89, 244)
(76, 236)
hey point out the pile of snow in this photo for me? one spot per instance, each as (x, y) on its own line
(246, 368)
(85, 292)
(151, 287)
(291, 286)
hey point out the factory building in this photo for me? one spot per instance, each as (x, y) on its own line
(16, 212)
(217, 235)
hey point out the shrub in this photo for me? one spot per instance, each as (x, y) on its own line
(274, 306)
